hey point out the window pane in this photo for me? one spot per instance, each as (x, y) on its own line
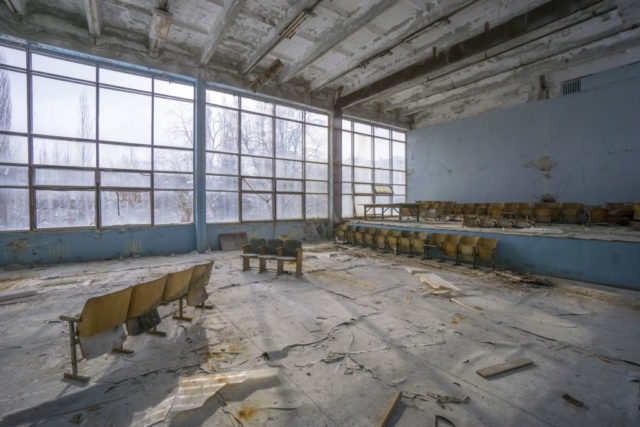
(256, 207)
(64, 153)
(316, 187)
(347, 188)
(383, 177)
(346, 124)
(63, 67)
(382, 159)
(288, 112)
(125, 117)
(359, 202)
(317, 206)
(316, 118)
(383, 132)
(254, 166)
(14, 209)
(222, 163)
(288, 139)
(179, 90)
(253, 184)
(173, 181)
(64, 109)
(56, 209)
(222, 130)
(173, 207)
(13, 101)
(222, 183)
(128, 80)
(125, 179)
(399, 136)
(173, 123)
(125, 207)
(288, 169)
(257, 106)
(256, 135)
(362, 150)
(14, 57)
(316, 171)
(65, 177)
(289, 206)
(399, 199)
(399, 190)
(284, 185)
(399, 177)
(222, 207)
(347, 206)
(221, 98)
(383, 199)
(347, 158)
(123, 157)
(362, 175)
(14, 175)
(363, 189)
(172, 160)
(362, 128)
(347, 173)
(13, 149)
(399, 156)
(317, 143)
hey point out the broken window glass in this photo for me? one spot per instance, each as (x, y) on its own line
(254, 184)
(257, 207)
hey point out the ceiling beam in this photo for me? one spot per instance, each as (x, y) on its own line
(92, 9)
(19, 7)
(424, 22)
(223, 21)
(158, 30)
(333, 36)
(518, 26)
(584, 26)
(276, 33)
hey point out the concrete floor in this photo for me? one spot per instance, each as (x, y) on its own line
(357, 327)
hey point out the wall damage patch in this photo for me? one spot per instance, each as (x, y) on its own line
(543, 164)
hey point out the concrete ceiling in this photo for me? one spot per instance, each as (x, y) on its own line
(407, 62)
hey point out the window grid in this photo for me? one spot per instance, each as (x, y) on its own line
(358, 190)
(292, 185)
(48, 194)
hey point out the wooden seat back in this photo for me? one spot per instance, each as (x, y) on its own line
(104, 312)
(177, 285)
(450, 244)
(146, 296)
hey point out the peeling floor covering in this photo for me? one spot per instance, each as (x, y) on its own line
(357, 327)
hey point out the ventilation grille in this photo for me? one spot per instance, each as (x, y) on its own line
(571, 86)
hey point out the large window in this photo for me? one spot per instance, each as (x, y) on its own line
(265, 161)
(373, 166)
(83, 145)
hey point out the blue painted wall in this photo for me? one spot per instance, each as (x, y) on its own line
(68, 246)
(591, 139)
(605, 262)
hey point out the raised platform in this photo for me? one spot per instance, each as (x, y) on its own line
(601, 254)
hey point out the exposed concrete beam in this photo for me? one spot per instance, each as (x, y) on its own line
(274, 36)
(618, 50)
(18, 7)
(335, 35)
(630, 12)
(223, 21)
(520, 25)
(92, 9)
(565, 39)
(158, 30)
(586, 24)
(424, 21)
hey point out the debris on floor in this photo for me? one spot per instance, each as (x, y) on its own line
(502, 368)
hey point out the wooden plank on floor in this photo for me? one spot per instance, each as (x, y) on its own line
(386, 415)
(511, 365)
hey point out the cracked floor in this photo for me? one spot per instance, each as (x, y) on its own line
(357, 327)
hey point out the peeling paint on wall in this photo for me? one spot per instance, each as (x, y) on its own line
(18, 246)
(544, 164)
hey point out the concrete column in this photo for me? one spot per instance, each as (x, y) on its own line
(200, 193)
(337, 166)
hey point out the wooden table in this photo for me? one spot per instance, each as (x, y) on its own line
(397, 207)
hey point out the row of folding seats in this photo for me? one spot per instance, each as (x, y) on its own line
(281, 251)
(99, 328)
(459, 247)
